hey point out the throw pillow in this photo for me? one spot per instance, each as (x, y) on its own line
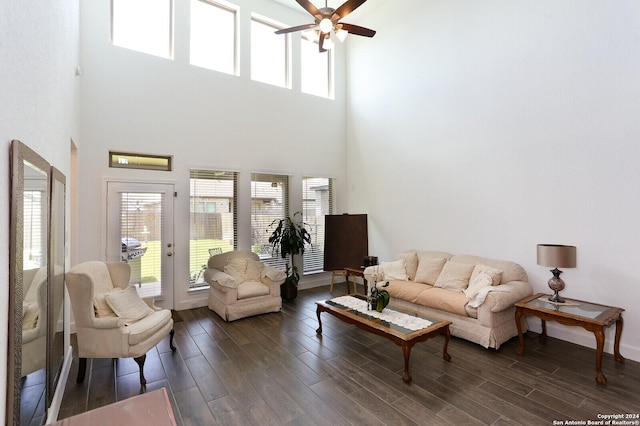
(476, 284)
(395, 270)
(100, 306)
(240, 264)
(233, 272)
(30, 314)
(254, 270)
(411, 263)
(429, 269)
(454, 276)
(128, 304)
(495, 274)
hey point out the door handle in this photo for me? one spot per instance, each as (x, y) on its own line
(169, 254)
(169, 245)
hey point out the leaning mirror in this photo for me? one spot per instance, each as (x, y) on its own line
(28, 274)
(56, 263)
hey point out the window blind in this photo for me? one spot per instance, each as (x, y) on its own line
(318, 200)
(269, 202)
(213, 219)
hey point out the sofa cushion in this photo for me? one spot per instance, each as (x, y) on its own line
(445, 300)
(411, 262)
(249, 289)
(493, 273)
(395, 270)
(477, 283)
(406, 290)
(511, 271)
(429, 269)
(454, 276)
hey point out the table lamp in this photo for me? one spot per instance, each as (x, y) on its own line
(557, 256)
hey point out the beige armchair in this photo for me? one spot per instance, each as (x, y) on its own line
(242, 286)
(34, 320)
(112, 321)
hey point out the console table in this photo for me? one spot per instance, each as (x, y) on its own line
(590, 316)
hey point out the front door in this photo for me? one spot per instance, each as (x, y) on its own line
(140, 232)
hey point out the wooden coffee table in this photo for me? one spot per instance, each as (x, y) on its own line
(590, 316)
(401, 336)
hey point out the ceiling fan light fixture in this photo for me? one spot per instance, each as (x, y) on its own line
(342, 34)
(326, 25)
(328, 43)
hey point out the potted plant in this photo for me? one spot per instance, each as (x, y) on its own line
(289, 239)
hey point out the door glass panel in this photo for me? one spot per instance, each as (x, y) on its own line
(141, 225)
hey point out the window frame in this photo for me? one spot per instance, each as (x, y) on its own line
(204, 174)
(319, 231)
(330, 93)
(287, 47)
(171, 23)
(229, 7)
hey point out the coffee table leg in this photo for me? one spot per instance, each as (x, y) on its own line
(616, 344)
(319, 329)
(447, 336)
(543, 335)
(520, 348)
(406, 351)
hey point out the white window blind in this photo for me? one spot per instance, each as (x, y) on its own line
(34, 230)
(141, 224)
(318, 200)
(269, 202)
(213, 219)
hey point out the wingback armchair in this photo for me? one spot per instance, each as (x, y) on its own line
(242, 286)
(112, 321)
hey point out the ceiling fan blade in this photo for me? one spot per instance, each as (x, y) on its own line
(358, 30)
(347, 7)
(309, 7)
(321, 42)
(296, 28)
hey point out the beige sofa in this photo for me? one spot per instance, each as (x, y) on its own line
(475, 293)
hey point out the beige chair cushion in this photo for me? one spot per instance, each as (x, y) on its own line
(100, 305)
(429, 269)
(127, 304)
(454, 276)
(234, 273)
(249, 289)
(254, 270)
(142, 330)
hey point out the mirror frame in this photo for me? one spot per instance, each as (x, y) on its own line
(56, 283)
(19, 154)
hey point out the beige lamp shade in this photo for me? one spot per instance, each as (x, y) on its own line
(558, 256)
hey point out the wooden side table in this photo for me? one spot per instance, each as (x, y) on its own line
(356, 272)
(590, 316)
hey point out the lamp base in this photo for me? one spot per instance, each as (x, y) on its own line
(556, 284)
(555, 298)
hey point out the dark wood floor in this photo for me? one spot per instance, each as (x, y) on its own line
(273, 369)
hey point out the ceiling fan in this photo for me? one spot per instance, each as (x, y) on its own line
(328, 19)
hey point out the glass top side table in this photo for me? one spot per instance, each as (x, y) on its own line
(590, 316)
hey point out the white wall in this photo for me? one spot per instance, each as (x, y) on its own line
(141, 103)
(38, 55)
(489, 127)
